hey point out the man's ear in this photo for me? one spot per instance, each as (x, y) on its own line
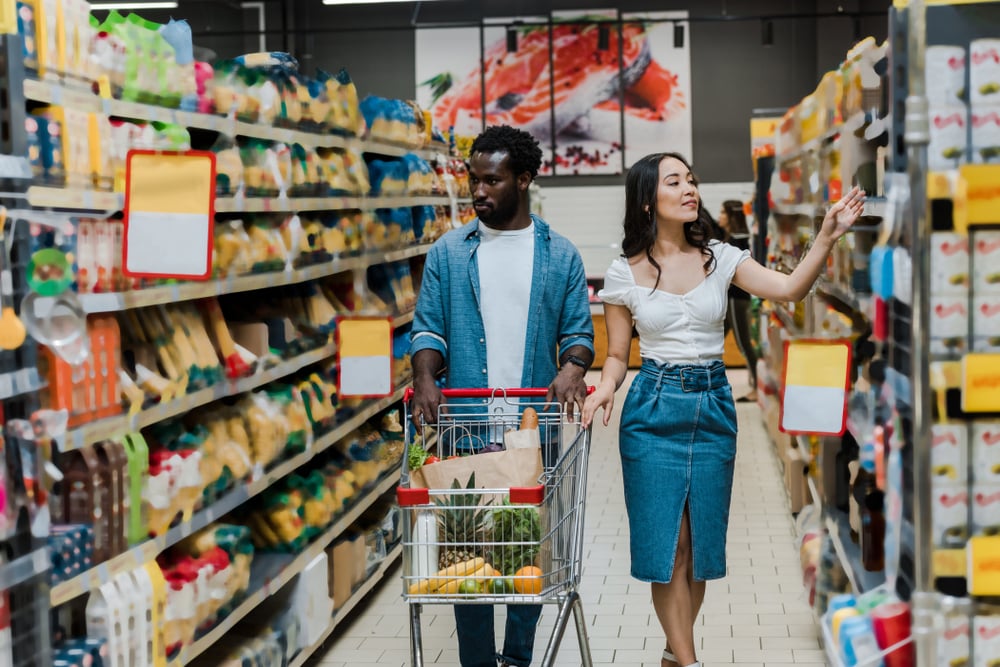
(524, 181)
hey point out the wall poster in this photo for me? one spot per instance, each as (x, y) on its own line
(621, 85)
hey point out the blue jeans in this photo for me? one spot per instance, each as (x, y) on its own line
(476, 648)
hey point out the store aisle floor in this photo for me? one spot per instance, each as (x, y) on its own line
(757, 616)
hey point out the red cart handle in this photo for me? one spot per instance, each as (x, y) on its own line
(534, 392)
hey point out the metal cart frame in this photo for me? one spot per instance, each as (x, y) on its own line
(465, 426)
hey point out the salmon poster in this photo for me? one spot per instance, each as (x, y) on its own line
(597, 90)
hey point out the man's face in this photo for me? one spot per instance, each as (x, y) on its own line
(496, 190)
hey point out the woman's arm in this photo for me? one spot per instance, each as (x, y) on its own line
(777, 286)
(618, 321)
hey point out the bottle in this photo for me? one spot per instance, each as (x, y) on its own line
(872, 502)
(424, 555)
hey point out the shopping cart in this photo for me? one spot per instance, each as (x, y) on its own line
(520, 545)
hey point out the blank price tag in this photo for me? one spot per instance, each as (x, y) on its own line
(8, 17)
(981, 383)
(364, 349)
(169, 211)
(814, 398)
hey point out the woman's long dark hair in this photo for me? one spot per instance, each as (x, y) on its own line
(737, 218)
(641, 185)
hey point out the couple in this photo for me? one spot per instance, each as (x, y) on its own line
(504, 303)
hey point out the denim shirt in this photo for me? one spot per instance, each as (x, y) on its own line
(449, 319)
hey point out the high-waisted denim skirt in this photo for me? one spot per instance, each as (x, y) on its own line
(678, 448)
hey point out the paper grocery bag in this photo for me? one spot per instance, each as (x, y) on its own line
(522, 439)
(493, 470)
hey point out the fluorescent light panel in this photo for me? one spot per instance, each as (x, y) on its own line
(133, 5)
(363, 2)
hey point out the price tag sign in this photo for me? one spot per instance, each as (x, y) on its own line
(984, 565)
(982, 193)
(981, 383)
(8, 17)
(364, 350)
(169, 212)
(817, 377)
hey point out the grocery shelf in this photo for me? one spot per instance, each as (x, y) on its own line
(21, 569)
(188, 291)
(105, 429)
(402, 319)
(79, 98)
(240, 204)
(150, 549)
(849, 554)
(269, 572)
(292, 204)
(16, 383)
(841, 294)
(305, 654)
(875, 207)
(80, 199)
(811, 210)
(786, 319)
(76, 199)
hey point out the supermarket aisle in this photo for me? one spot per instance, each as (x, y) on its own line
(757, 616)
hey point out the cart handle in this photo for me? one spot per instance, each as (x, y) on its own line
(533, 392)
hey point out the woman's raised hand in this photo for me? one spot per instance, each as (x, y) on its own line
(842, 215)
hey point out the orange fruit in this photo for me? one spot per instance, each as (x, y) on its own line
(528, 580)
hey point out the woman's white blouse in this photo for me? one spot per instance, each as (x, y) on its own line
(677, 328)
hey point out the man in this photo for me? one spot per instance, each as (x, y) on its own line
(503, 303)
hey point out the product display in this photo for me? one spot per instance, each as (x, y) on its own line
(861, 533)
(180, 443)
(182, 481)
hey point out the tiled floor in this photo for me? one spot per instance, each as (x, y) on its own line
(757, 616)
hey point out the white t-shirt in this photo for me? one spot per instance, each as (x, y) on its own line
(506, 263)
(677, 328)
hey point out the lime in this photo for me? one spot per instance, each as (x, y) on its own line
(501, 586)
(469, 587)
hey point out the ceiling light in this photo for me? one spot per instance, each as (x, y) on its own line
(362, 2)
(133, 5)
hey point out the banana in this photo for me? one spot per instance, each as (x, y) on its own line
(450, 588)
(444, 577)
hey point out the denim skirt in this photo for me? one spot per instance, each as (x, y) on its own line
(678, 449)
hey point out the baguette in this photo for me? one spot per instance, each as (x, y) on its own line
(529, 420)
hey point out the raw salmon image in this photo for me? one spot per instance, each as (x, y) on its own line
(575, 106)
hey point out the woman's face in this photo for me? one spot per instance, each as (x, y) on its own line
(677, 193)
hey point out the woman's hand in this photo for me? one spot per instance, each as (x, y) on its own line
(603, 397)
(843, 214)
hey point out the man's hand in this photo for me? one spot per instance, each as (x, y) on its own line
(426, 400)
(568, 389)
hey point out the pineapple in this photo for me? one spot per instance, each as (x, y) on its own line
(462, 521)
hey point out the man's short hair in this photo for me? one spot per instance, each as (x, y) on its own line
(525, 154)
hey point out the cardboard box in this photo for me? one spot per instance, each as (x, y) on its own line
(986, 258)
(253, 336)
(311, 602)
(949, 448)
(341, 577)
(949, 324)
(949, 513)
(985, 441)
(795, 480)
(949, 264)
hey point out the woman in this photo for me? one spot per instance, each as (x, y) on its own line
(678, 428)
(733, 221)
